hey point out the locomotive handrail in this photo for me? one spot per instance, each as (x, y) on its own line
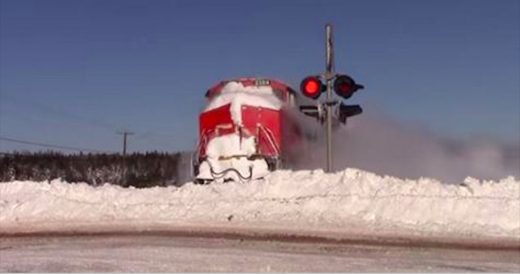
(203, 140)
(206, 134)
(270, 138)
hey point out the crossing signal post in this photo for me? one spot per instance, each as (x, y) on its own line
(343, 85)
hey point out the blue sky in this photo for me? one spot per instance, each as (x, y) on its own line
(74, 72)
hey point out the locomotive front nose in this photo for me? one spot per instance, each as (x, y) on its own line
(240, 133)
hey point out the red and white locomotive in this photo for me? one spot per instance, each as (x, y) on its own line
(246, 130)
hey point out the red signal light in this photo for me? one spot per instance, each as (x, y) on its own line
(311, 87)
(345, 86)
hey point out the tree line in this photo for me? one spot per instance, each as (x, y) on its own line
(138, 169)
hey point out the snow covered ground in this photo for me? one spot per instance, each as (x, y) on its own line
(350, 202)
(156, 253)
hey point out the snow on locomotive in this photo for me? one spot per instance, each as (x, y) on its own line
(245, 130)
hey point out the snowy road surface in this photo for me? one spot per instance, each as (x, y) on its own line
(156, 253)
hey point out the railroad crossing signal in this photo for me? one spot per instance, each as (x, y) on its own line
(312, 87)
(343, 85)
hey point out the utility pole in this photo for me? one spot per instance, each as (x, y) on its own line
(125, 133)
(329, 76)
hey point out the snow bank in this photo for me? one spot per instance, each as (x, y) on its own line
(343, 202)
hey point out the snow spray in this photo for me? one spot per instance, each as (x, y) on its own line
(379, 144)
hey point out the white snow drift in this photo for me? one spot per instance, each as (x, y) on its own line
(344, 202)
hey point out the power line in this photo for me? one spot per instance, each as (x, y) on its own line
(57, 112)
(7, 139)
(72, 118)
